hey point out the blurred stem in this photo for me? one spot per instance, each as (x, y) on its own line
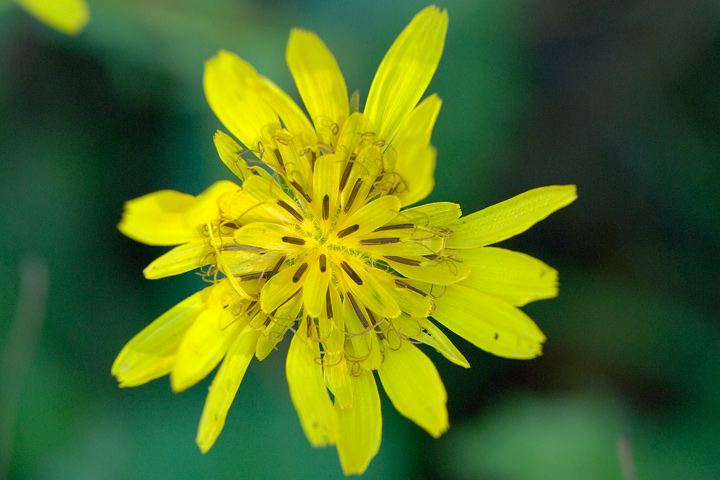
(625, 457)
(17, 353)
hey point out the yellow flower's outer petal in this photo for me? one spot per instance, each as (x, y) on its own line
(68, 16)
(281, 287)
(319, 81)
(425, 331)
(405, 72)
(512, 276)
(151, 353)
(168, 217)
(179, 260)
(228, 83)
(224, 387)
(488, 323)
(316, 285)
(229, 152)
(436, 214)
(204, 345)
(366, 219)
(309, 395)
(414, 170)
(366, 288)
(438, 272)
(360, 426)
(158, 218)
(509, 218)
(420, 122)
(413, 384)
(337, 378)
(292, 116)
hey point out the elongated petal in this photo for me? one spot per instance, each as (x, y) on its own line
(68, 16)
(368, 218)
(405, 72)
(420, 122)
(224, 387)
(281, 287)
(413, 384)
(228, 81)
(159, 218)
(151, 353)
(509, 218)
(514, 277)
(309, 395)
(319, 81)
(316, 285)
(360, 426)
(488, 323)
(180, 259)
(414, 170)
(424, 331)
(372, 293)
(204, 345)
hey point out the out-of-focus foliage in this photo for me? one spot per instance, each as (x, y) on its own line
(618, 98)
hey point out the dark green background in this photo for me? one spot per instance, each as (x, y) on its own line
(620, 98)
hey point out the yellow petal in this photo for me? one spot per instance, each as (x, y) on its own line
(229, 152)
(205, 208)
(180, 259)
(419, 124)
(337, 378)
(509, 218)
(360, 426)
(281, 287)
(413, 384)
(320, 83)
(283, 319)
(224, 387)
(204, 345)
(159, 218)
(514, 277)
(414, 170)
(369, 217)
(362, 282)
(151, 353)
(405, 72)
(436, 214)
(68, 16)
(438, 272)
(318, 417)
(228, 81)
(488, 323)
(291, 115)
(269, 236)
(316, 285)
(435, 338)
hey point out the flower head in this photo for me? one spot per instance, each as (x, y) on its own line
(324, 250)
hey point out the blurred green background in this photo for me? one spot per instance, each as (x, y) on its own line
(620, 98)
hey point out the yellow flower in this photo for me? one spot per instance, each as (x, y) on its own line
(68, 16)
(326, 248)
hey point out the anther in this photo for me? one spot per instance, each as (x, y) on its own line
(279, 159)
(346, 172)
(432, 257)
(299, 273)
(328, 305)
(277, 266)
(401, 226)
(347, 231)
(323, 263)
(353, 194)
(351, 273)
(410, 287)
(378, 241)
(358, 311)
(301, 191)
(291, 211)
(293, 240)
(326, 207)
(403, 260)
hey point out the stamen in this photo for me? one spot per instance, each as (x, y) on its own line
(246, 248)
(432, 257)
(299, 273)
(301, 191)
(401, 226)
(328, 305)
(358, 312)
(277, 266)
(375, 323)
(351, 273)
(326, 207)
(323, 263)
(403, 260)
(346, 172)
(279, 159)
(293, 240)
(378, 241)
(252, 276)
(353, 194)
(410, 287)
(291, 211)
(347, 231)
